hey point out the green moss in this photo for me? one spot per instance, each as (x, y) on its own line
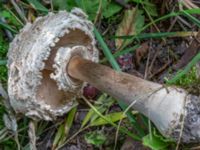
(189, 79)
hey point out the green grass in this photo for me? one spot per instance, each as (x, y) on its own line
(3, 52)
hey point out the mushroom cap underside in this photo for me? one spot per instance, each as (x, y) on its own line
(36, 57)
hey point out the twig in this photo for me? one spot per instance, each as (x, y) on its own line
(154, 24)
(172, 24)
(73, 136)
(32, 136)
(184, 22)
(188, 4)
(18, 10)
(160, 70)
(98, 15)
(153, 61)
(147, 64)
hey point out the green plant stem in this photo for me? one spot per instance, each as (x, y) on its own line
(193, 19)
(173, 14)
(158, 35)
(38, 6)
(122, 52)
(106, 51)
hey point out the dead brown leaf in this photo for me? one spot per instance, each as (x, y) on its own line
(131, 24)
(141, 52)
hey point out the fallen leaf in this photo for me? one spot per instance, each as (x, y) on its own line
(141, 52)
(131, 24)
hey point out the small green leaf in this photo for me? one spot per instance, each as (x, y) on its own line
(155, 141)
(112, 117)
(91, 7)
(152, 10)
(60, 4)
(95, 138)
(102, 104)
(91, 112)
(64, 4)
(111, 9)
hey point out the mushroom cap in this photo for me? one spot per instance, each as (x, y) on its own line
(38, 84)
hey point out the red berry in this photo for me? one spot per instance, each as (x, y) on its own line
(90, 91)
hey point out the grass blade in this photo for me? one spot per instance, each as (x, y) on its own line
(38, 6)
(173, 14)
(123, 130)
(64, 128)
(3, 25)
(122, 52)
(91, 115)
(106, 51)
(113, 117)
(159, 35)
(193, 19)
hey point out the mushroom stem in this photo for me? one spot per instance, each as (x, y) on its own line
(120, 85)
(167, 107)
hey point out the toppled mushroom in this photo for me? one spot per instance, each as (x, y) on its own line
(39, 87)
(50, 59)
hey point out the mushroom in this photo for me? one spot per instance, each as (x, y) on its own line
(37, 88)
(51, 59)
